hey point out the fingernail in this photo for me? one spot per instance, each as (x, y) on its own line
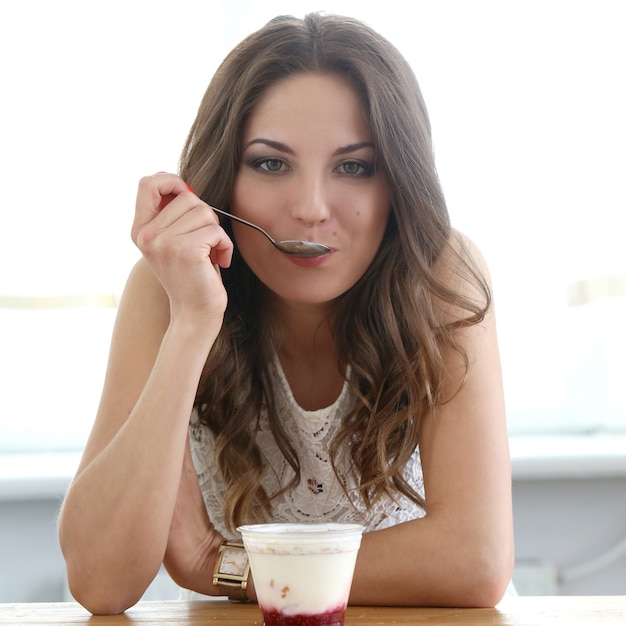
(190, 188)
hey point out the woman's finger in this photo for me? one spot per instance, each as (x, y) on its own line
(177, 220)
(154, 193)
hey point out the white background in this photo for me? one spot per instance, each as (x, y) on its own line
(526, 100)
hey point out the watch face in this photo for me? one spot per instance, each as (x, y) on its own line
(234, 561)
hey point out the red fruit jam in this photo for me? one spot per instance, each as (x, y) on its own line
(329, 618)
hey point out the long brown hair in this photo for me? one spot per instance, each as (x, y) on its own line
(387, 327)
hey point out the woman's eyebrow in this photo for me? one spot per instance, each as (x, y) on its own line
(277, 145)
(353, 147)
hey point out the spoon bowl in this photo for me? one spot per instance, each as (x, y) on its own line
(295, 247)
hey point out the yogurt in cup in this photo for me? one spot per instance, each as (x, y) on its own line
(302, 572)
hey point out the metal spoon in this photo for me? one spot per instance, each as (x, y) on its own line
(288, 246)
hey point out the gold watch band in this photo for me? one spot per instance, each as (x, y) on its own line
(234, 591)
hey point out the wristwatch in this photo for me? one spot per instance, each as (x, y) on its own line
(231, 570)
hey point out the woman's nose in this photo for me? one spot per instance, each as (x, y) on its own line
(310, 205)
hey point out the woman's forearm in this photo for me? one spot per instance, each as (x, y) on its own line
(428, 563)
(116, 516)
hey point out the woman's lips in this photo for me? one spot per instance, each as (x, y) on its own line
(311, 261)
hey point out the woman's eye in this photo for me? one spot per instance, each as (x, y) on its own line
(271, 165)
(355, 168)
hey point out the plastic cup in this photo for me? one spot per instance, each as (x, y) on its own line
(302, 572)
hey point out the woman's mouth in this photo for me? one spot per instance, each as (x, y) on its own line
(311, 261)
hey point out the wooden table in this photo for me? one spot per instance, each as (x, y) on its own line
(513, 611)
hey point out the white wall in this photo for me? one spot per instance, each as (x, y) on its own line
(31, 566)
(565, 523)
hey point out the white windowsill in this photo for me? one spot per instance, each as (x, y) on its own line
(568, 457)
(47, 476)
(36, 476)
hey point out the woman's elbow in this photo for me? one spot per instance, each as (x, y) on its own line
(102, 604)
(487, 576)
(101, 598)
(486, 591)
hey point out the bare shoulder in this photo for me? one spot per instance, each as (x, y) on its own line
(459, 252)
(144, 301)
(142, 317)
(462, 270)
(142, 320)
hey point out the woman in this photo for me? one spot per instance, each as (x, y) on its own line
(363, 385)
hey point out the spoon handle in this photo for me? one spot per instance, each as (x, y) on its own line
(239, 219)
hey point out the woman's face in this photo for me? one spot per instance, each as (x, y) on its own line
(308, 172)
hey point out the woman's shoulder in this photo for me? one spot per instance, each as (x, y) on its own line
(142, 279)
(461, 249)
(463, 272)
(144, 306)
(144, 289)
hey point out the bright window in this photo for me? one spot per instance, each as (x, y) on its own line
(526, 101)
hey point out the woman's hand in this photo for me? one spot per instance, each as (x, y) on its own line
(182, 240)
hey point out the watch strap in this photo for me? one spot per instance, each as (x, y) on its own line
(234, 591)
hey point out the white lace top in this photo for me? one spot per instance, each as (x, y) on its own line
(319, 496)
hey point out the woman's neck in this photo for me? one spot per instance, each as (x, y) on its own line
(302, 327)
(308, 356)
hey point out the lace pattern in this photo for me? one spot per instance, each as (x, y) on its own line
(320, 495)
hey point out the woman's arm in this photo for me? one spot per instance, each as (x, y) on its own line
(116, 517)
(461, 553)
